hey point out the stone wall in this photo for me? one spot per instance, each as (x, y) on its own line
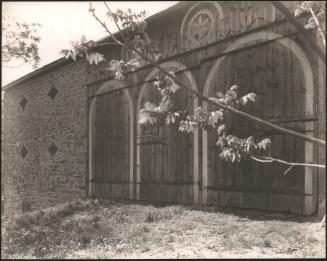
(44, 153)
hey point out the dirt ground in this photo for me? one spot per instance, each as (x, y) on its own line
(106, 229)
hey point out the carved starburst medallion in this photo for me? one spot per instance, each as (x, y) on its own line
(201, 25)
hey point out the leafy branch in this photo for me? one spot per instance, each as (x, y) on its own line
(316, 9)
(20, 41)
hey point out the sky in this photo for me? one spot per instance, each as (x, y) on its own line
(63, 22)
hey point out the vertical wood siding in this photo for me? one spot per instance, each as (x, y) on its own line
(111, 146)
(165, 170)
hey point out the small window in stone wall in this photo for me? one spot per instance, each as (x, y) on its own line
(23, 152)
(26, 206)
(23, 102)
(53, 92)
(52, 149)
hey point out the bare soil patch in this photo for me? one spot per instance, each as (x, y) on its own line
(84, 229)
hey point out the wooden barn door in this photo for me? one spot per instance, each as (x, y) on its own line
(111, 146)
(274, 73)
(166, 160)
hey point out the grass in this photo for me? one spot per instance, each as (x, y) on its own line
(85, 229)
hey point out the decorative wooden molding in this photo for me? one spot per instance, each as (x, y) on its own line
(193, 84)
(199, 23)
(105, 86)
(309, 105)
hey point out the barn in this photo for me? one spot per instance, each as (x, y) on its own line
(70, 130)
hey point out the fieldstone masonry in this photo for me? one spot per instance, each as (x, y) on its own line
(45, 140)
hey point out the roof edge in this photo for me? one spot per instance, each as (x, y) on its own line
(62, 60)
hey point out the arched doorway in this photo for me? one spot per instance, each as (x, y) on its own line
(281, 74)
(111, 142)
(167, 160)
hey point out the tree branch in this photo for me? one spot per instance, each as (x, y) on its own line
(206, 99)
(318, 26)
(293, 164)
(300, 28)
(233, 110)
(106, 44)
(104, 25)
(118, 27)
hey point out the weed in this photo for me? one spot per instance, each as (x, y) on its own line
(144, 238)
(244, 243)
(312, 240)
(40, 250)
(66, 210)
(95, 219)
(84, 239)
(107, 230)
(23, 222)
(100, 240)
(145, 229)
(145, 249)
(121, 218)
(96, 225)
(178, 210)
(70, 225)
(170, 238)
(149, 218)
(266, 243)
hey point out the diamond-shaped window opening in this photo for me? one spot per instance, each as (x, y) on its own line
(23, 102)
(52, 149)
(23, 152)
(53, 92)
